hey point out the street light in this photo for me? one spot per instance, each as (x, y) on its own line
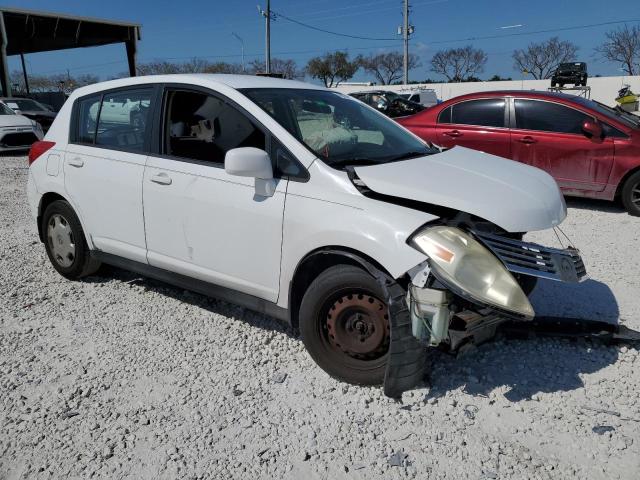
(241, 47)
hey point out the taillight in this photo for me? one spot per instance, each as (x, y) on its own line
(38, 148)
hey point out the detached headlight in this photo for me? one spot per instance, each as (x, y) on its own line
(463, 263)
(37, 128)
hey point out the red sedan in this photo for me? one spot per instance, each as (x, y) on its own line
(591, 150)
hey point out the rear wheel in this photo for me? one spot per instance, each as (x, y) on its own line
(65, 242)
(344, 324)
(631, 194)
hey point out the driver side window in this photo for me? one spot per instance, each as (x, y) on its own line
(199, 126)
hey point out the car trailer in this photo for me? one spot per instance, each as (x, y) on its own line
(581, 91)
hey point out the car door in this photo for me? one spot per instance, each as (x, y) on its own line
(199, 220)
(103, 171)
(549, 136)
(478, 124)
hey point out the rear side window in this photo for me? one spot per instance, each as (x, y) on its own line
(87, 114)
(123, 118)
(445, 116)
(548, 117)
(486, 113)
(203, 127)
(116, 120)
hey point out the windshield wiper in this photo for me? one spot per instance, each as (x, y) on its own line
(409, 155)
(345, 162)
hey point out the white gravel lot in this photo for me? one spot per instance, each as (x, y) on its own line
(121, 377)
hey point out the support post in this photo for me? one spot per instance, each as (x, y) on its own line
(5, 82)
(131, 51)
(24, 73)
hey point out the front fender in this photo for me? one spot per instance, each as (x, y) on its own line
(379, 231)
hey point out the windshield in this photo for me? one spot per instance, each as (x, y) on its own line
(25, 104)
(4, 110)
(628, 119)
(339, 129)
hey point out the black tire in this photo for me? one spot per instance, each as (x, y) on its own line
(77, 264)
(630, 194)
(319, 303)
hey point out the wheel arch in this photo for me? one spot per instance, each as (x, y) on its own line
(319, 260)
(624, 179)
(46, 200)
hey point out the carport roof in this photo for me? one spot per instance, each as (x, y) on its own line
(30, 31)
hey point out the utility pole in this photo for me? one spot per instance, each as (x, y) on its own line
(405, 30)
(241, 47)
(267, 54)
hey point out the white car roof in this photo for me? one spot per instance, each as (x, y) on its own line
(212, 79)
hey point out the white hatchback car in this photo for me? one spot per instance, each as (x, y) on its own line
(302, 203)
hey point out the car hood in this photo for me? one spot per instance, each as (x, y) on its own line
(15, 121)
(514, 196)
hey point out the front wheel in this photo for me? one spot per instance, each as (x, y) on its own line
(65, 243)
(344, 324)
(631, 194)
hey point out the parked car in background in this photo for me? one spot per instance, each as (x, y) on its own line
(376, 221)
(574, 73)
(17, 132)
(389, 103)
(591, 150)
(425, 97)
(31, 109)
(123, 110)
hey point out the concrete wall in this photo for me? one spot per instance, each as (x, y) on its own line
(603, 89)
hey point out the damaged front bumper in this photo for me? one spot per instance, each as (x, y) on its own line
(426, 314)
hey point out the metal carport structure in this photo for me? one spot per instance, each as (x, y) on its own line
(28, 31)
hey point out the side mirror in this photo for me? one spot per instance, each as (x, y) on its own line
(382, 105)
(252, 162)
(592, 128)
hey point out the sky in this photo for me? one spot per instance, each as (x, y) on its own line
(179, 30)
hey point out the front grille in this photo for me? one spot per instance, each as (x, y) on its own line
(23, 139)
(535, 260)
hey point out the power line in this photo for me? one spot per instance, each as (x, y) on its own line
(371, 10)
(520, 34)
(329, 31)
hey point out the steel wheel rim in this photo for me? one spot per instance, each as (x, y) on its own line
(357, 326)
(635, 194)
(61, 242)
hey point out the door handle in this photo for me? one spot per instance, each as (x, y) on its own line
(528, 140)
(453, 133)
(76, 162)
(161, 179)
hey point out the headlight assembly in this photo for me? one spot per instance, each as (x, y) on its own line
(462, 263)
(37, 128)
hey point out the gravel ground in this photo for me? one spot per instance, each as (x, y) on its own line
(121, 377)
